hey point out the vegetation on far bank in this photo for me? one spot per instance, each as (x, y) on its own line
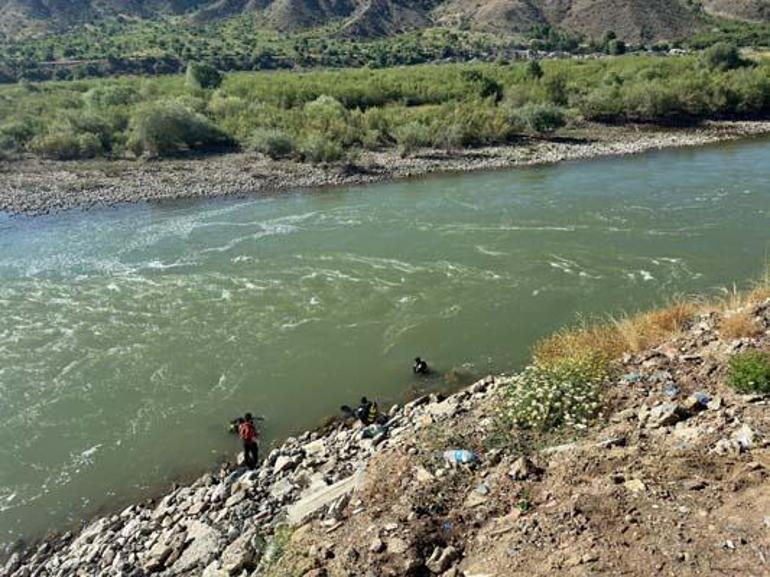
(326, 116)
(122, 44)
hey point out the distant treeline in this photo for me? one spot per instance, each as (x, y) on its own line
(325, 116)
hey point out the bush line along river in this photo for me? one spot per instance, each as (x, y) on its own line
(130, 336)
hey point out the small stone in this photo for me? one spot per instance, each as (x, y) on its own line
(482, 489)
(521, 469)
(635, 485)
(744, 436)
(283, 463)
(664, 415)
(377, 545)
(694, 485)
(397, 546)
(423, 475)
(441, 560)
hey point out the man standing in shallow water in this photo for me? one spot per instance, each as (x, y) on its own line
(248, 434)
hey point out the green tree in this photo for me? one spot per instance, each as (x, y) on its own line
(201, 75)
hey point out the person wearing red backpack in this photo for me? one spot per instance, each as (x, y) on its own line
(248, 434)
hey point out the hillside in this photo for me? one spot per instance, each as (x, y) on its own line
(632, 20)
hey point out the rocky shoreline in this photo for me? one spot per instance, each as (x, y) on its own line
(223, 523)
(34, 187)
(674, 478)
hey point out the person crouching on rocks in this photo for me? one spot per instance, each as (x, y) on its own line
(248, 434)
(367, 412)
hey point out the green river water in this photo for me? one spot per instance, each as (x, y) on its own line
(130, 336)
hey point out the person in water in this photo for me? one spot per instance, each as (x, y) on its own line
(420, 367)
(248, 434)
(367, 412)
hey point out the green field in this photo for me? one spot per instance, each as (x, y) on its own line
(328, 115)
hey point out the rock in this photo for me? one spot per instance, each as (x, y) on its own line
(521, 469)
(281, 489)
(671, 390)
(744, 436)
(443, 410)
(240, 554)
(695, 403)
(694, 485)
(664, 415)
(202, 546)
(715, 404)
(283, 463)
(441, 560)
(156, 558)
(213, 570)
(377, 545)
(313, 501)
(635, 486)
(482, 489)
(315, 448)
(13, 563)
(727, 447)
(423, 475)
(474, 499)
(397, 546)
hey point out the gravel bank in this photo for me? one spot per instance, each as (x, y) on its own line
(33, 187)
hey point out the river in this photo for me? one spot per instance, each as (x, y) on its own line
(130, 336)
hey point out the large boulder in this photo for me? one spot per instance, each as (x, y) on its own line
(202, 545)
(241, 554)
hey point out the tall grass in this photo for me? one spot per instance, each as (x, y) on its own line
(610, 338)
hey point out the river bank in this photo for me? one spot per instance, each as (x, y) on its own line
(33, 187)
(672, 476)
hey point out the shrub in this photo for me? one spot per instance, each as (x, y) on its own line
(616, 47)
(201, 75)
(110, 95)
(324, 113)
(162, 127)
(603, 104)
(556, 89)
(14, 135)
(564, 394)
(749, 372)
(542, 118)
(534, 70)
(411, 136)
(273, 143)
(318, 149)
(67, 146)
(723, 56)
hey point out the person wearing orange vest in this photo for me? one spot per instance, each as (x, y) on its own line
(248, 434)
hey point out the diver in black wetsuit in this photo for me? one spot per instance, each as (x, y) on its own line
(420, 367)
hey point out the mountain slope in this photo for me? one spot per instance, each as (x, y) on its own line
(748, 10)
(631, 20)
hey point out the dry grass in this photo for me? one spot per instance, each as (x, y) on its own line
(738, 325)
(609, 340)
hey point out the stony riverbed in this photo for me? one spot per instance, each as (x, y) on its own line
(32, 186)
